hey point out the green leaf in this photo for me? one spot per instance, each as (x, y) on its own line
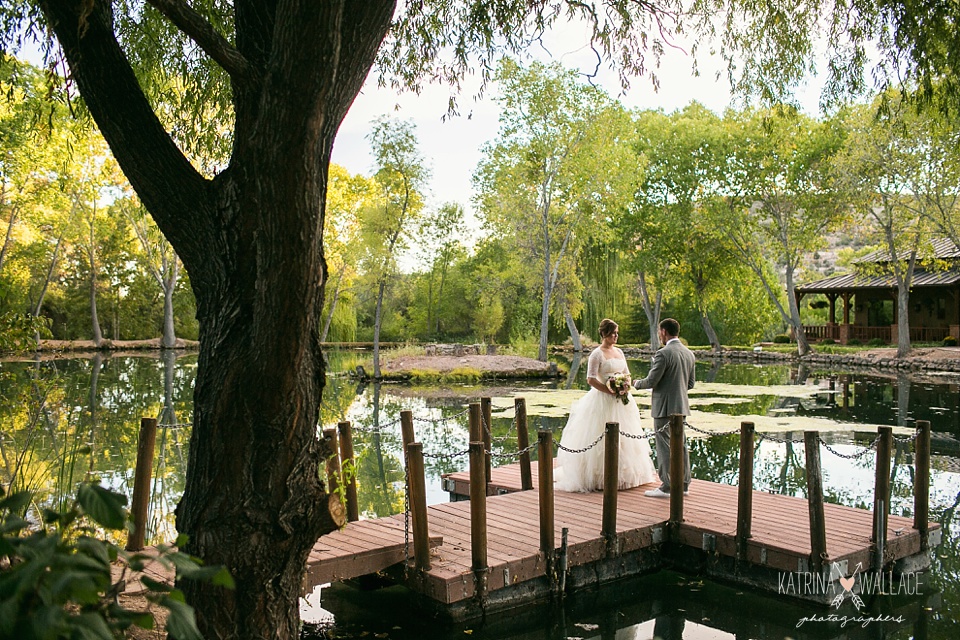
(222, 578)
(144, 620)
(93, 548)
(104, 506)
(182, 622)
(155, 585)
(16, 501)
(91, 626)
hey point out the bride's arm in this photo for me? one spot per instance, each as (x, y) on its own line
(593, 372)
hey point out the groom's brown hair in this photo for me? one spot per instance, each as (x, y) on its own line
(671, 326)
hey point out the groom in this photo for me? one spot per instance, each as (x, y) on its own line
(671, 375)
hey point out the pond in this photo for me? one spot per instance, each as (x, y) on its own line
(62, 420)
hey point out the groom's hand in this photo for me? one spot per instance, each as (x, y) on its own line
(636, 384)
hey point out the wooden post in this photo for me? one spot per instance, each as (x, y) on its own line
(418, 506)
(523, 442)
(676, 470)
(333, 462)
(141, 483)
(818, 525)
(476, 434)
(478, 507)
(745, 490)
(346, 454)
(406, 429)
(545, 474)
(921, 483)
(881, 496)
(611, 481)
(486, 415)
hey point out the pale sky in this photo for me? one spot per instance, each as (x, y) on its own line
(451, 146)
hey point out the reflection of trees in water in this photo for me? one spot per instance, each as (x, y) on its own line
(66, 420)
(716, 458)
(946, 559)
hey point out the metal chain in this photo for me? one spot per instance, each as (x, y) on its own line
(513, 455)
(176, 425)
(585, 449)
(406, 516)
(905, 439)
(643, 435)
(446, 456)
(765, 436)
(710, 433)
(440, 420)
(850, 456)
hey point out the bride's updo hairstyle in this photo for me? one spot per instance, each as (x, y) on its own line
(607, 326)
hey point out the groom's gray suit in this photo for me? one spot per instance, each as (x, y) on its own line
(671, 375)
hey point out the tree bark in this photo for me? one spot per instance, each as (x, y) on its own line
(572, 328)
(651, 310)
(94, 318)
(803, 347)
(333, 307)
(709, 331)
(169, 339)
(378, 318)
(8, 237)
(251, 239)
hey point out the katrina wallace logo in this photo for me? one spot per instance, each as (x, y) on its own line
(839, 588)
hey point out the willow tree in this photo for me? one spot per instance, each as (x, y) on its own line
(547, 181)
(272, 81)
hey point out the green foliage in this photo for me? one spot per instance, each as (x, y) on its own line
(58, 583)
(949, 341)
(827, 341)
(19, 331)
(854, 342)
(781, 338)
(877, 342)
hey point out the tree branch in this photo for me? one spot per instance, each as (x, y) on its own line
(207, 38)
(175, 194)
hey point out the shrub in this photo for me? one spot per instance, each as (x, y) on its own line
(853, 342)
(828, 341)
(781, 338)
(949, 341)
(877, 342)
(57, 581)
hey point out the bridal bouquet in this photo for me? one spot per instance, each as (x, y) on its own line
(619, 383)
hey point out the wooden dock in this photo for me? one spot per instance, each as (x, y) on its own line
(517, 540)
(518, 571)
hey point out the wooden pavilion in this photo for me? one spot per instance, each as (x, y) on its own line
(869, 302)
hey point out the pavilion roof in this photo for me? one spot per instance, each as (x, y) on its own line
(853, 281)
(943, 249)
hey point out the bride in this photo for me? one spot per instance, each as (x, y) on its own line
(588, 418)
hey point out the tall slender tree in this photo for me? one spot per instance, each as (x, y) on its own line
(400, 177)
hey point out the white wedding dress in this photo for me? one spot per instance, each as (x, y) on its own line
(588, 418)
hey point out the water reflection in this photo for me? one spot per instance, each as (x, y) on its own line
(63, 420)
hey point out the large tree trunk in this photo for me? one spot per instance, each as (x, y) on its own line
(377, 321)
(652, 310)
(8, 237)
(333, 307)
(709, 330)
(252, 242)
(169, 339)
(903, 319)
(544, 314)
(803, 347)
(94, 317)
(574, 333)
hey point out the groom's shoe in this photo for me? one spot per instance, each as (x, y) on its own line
(656, 493)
